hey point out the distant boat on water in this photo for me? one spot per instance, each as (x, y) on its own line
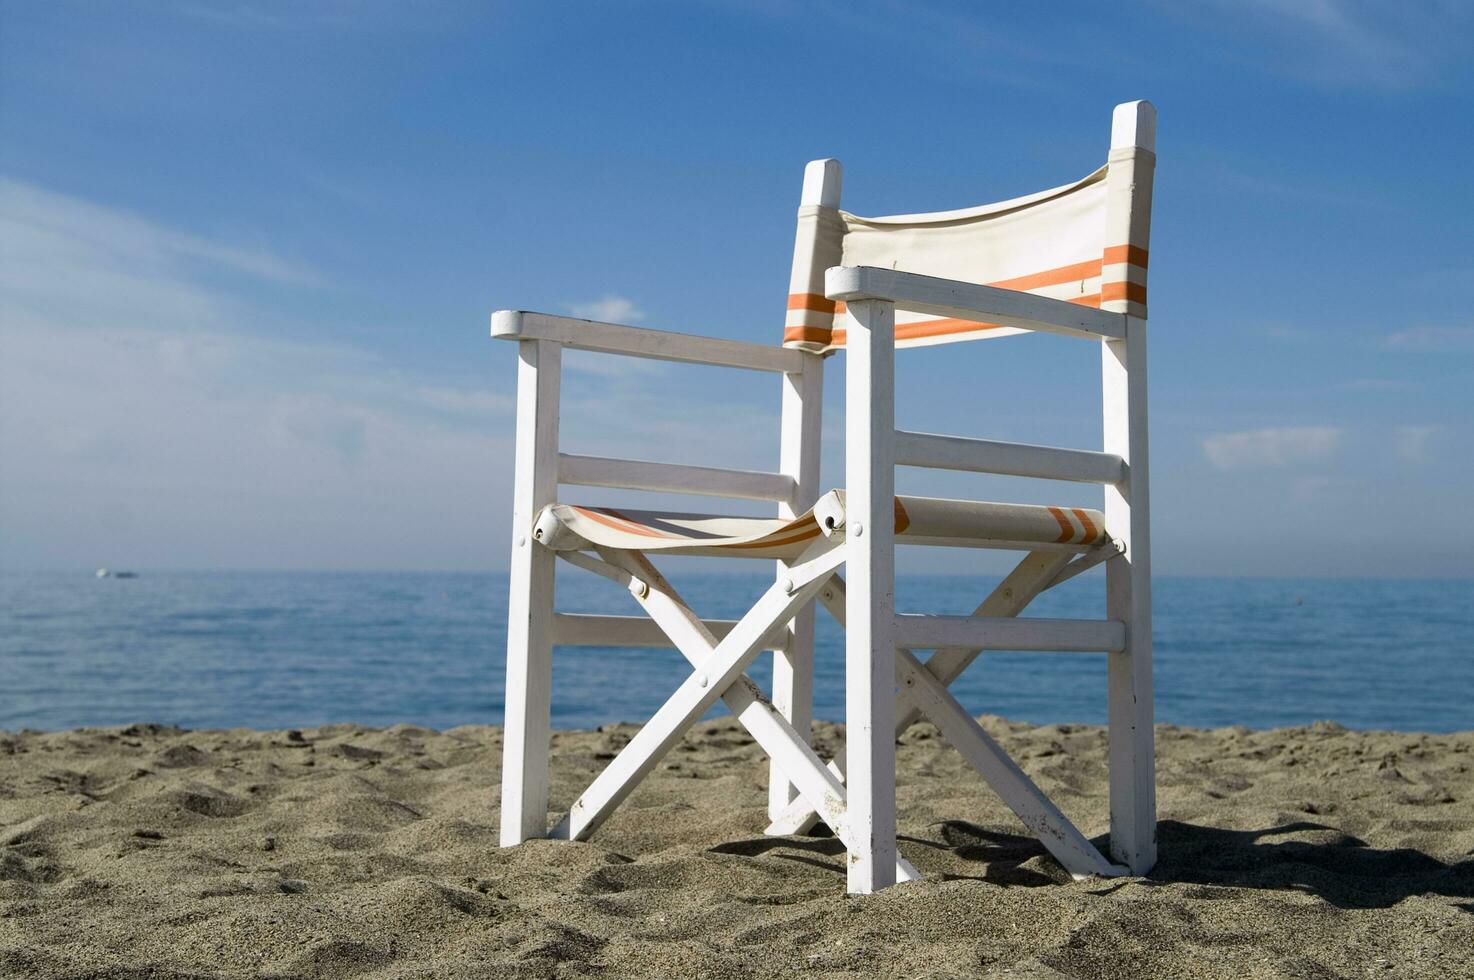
(107, 573)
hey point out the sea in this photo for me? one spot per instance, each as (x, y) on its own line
(289, 650)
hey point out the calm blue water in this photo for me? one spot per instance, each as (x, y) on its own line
(278, 650)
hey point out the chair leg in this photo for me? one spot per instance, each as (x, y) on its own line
(528, 698)
(793, 696)
(870, 648)
(1132, 743)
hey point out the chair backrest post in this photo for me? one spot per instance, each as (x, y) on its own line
(1124, 410)
(799, 454)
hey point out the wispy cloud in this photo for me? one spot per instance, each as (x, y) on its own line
(608, 309)
(38, 226)
(1272, 447)
(1347, 43)
(1303, 192)
(143, 423)
(1412, 442)
(1433, 340)
(1314, 489)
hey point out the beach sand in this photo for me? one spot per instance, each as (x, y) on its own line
(352, 852)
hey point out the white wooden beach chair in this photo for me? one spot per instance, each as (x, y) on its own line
(1070, 260)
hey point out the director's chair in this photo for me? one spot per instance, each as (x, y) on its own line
(1070, 260)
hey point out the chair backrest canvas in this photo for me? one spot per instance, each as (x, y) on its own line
(1085, 242)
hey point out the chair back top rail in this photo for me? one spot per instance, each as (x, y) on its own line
(662, 345)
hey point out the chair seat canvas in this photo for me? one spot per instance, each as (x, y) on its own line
(570, 527)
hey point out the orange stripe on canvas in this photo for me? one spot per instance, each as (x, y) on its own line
(621, 523)
(1078, 271)
(774, 541)
(807, 335)
(1130, 254)
(1052, 277)
(1133, 292)
(810, 301)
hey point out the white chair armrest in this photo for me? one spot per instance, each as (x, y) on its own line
(613, 338)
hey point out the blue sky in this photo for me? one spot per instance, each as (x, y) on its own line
(248, 251)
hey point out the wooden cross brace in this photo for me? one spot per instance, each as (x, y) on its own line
(921, 691)
(719, 673)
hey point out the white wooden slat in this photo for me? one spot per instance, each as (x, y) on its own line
(1009, 598)
(870, 644)
(1042, 818)
(941, 452)
(524, 811)
(690, 701)
(636, 474)
(790, 752)
(588, 630)
(663, 345)
(1003, 633)
(968, 301)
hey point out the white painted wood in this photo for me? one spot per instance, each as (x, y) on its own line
(690, 701)
(1128, 599)
(1009, 598)
(587, 630)
(1042, 818)
(1134, 124)
(524, 811)
(1087, 561)
(870, 644)
(708, 481)
(823, 180)
(922, 692)
(663, 345)
(969, 301)
(599, 567)
(940, 452)
(1002, 633)
(1127, 505)
(786, 746)
(798, 460)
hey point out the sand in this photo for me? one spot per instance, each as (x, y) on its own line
(352, 852)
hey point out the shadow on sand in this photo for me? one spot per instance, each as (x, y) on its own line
(1338, 868)
(1341, 869)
